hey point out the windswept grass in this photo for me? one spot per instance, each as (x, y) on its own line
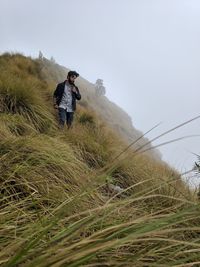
(23, 93)
(56, 205)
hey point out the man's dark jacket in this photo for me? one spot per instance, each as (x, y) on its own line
(58, 93)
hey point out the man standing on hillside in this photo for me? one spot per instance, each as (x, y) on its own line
(64, 99)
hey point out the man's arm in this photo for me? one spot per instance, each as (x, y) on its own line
(77, 93)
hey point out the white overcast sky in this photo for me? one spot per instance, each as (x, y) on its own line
(146, 51)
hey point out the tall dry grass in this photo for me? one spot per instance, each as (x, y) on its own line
(56, 206)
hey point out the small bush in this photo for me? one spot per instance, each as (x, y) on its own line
(87, 118)
(16, 124)
(25, 97)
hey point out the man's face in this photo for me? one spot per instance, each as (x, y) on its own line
(72, 78)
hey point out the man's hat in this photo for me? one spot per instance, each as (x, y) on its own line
(72, 73)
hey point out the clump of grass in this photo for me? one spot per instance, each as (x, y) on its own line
(118, 232)
(24, 97)
(93, 142)
(86, 118)
(16, 124)
(43, 164)
(19, 65)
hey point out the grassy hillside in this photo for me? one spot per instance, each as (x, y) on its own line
(116, 118)
(57, 206)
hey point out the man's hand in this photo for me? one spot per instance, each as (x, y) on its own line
(74, 89)
(55, 106)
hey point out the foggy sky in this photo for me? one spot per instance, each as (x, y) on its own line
(146, 51)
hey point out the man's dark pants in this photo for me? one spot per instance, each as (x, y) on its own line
(65, 116)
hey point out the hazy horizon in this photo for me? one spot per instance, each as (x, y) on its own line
(147, 53)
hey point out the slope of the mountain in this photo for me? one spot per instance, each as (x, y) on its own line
(112, 114)
(58, 202)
